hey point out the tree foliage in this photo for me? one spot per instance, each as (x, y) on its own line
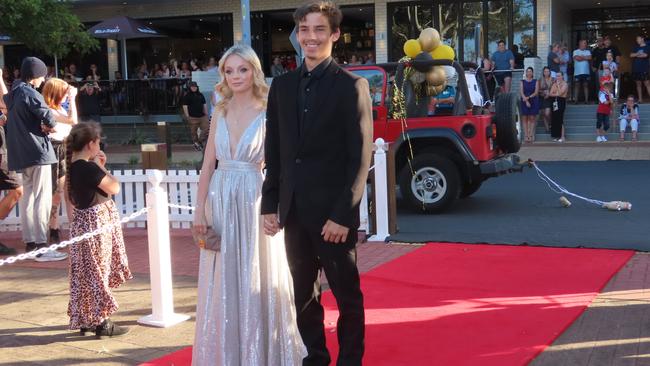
(46, 26)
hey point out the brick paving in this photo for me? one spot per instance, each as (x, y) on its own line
(615, 328)
(34, 296)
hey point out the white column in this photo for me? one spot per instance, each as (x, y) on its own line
(162, 299)
(245, 22)
(381, 31)
(381, 191)
(112, 58)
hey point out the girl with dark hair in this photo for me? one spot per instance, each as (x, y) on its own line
(529, 104)
(98, 264)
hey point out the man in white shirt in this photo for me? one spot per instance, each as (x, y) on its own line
(581, 72)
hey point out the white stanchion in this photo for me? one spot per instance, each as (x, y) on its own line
(162, 299)
(381, 191)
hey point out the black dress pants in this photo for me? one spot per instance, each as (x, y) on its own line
(308, 254)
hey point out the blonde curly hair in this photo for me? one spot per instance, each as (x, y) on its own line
(260, 88)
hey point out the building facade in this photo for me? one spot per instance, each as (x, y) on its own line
(199, 29)
(204, 28)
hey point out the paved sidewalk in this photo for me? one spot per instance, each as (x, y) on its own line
(587, 151)
(615, 328)
(34, 297)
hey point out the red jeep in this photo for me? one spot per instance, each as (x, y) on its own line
(452, 150)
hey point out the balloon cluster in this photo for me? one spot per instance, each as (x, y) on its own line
(429, 47)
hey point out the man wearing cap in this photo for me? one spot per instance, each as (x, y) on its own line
(30, 152)
(196, 114)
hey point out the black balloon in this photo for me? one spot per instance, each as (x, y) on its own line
(419, 62)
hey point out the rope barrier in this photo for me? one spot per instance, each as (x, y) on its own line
(71, 241)
(557, 188)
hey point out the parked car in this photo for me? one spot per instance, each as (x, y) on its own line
(446, 156)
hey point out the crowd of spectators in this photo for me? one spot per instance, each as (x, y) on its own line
(595, 73)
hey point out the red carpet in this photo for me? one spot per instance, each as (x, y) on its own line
(457, 304)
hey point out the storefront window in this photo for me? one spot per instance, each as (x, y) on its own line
(448, 27)
(406, 23)
(357, 42)
(497, 24)
(472, 31)
(196, 38)
(523, 21)
(471, 27)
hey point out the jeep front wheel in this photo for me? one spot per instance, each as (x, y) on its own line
(433, 185)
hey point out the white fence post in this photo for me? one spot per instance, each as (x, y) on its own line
(162, 299)
(381, 191)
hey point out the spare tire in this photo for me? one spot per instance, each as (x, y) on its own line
(508, 121)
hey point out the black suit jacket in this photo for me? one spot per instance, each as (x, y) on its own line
(323, 171)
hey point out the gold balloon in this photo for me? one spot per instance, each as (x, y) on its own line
(429, 39)
(443, 52)
(436, 76)
(412, 48)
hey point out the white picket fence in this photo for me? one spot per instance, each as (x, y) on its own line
(181, 187)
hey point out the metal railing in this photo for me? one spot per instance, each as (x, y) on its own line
(139, 97)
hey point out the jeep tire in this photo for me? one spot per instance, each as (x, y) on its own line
(470, 188)
(508, 121)
(434, 184)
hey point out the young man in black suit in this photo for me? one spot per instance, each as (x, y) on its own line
(318, 150)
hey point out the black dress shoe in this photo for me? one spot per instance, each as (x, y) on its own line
(83, 331)
(109, 329)
(30, 247)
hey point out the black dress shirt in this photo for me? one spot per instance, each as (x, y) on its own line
(307, 89)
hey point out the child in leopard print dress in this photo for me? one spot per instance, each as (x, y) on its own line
(98, 264)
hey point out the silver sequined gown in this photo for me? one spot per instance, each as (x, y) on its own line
(245, 311)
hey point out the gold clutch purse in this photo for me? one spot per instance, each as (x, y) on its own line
(210, 240)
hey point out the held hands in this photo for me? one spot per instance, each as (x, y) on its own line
(334, 233)
(271, 224)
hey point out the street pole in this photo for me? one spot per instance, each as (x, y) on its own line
(125, 66)
(245, 22)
